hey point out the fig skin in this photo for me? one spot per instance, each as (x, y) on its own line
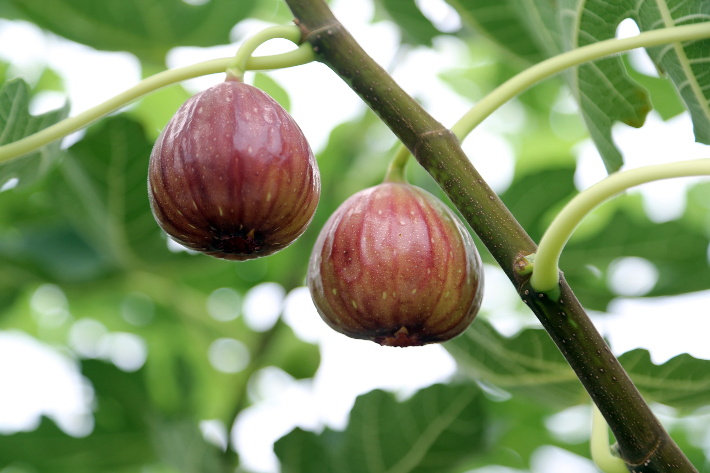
(232, 175)
(394, 265)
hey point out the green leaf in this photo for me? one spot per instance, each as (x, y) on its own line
(120, 439)
(683, 382)
(275, 91)
(677, 249)
(103, 188)
(605, 91)
(686, 64)
(664, 95)
(531, 197)
(431, 432)
(16, 123)
(530, 365)
(291, 354)
(146, 28)
(526, 28)
(128, 434)
(415, 27)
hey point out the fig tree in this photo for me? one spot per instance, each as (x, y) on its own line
(232, 175)
(394, 265)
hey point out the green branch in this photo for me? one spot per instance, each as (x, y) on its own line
(545, 275)
(643, 443)
(302, 55)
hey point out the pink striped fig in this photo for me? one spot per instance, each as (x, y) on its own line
(232, 175)
(394, 265)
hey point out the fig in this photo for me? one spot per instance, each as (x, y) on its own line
(394, 265)
(232, 175)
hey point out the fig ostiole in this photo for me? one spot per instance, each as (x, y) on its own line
(394, 265)
(232, 175)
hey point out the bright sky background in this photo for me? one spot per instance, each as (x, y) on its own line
(48, 381)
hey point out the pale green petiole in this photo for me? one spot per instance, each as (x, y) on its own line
(559, 63)
(599, 443)
(398, 166)
(302, 55)
(240, 62)
(545, 277)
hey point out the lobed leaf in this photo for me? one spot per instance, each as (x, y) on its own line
(526, 28)
(16, 122)
(431, 432)
(146, 28)
(530, 365)
(103, 188)
(415, 27)
(535, 30)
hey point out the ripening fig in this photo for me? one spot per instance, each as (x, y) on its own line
(232, 176)
(394, 265)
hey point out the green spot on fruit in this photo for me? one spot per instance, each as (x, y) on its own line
(414, 291)
(268, 196)
(334, 292)
(220, 211)
(354, 304)
(384, 295)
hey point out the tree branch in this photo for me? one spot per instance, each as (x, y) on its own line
(437, 149)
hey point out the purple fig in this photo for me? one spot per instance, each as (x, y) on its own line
(232, 176)
(394, 265)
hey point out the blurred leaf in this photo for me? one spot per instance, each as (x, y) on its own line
(271, 87)
(617, 229)
(519, 429)
(530, 364)
(528, 29)
(291, 354)
(683, 382)
(103, 188)
(677, 249)
(664, 95)
(128, 434)
(529, 198)
(415, 27)
(155, 110)
(120, 439)
(16, 123)
(146, 28)
(431, 432)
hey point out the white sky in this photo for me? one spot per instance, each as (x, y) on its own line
(47, 381)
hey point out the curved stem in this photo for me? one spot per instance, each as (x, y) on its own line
(239, 64)
(527, 78)
(302, 55)
(396, 172)
(545, 277)
(599, 443)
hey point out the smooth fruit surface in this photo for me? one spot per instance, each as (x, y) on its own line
(394, 265)
(232, 176)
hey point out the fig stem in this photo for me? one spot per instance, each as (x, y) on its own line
(239, 65)
(644, 445)
(545, 275)
(302, 55)
(554, 65)
(397, 170)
